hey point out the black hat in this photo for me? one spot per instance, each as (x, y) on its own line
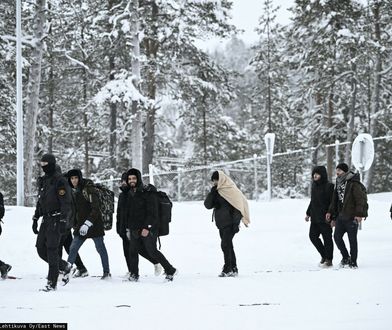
(215, 176)
(343, 167)
(49, 158)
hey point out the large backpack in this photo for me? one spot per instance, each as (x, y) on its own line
(364, 200)
(106, 203)
(164, 209)
(164, 213)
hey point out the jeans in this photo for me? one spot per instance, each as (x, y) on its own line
(227, 235)
(99, 245)
(325, 249)
(349, 226)
(67, 241)
(137, 244)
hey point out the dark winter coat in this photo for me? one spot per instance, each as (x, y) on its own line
(122, 212)
(141, 207)
(87, 207)
(321, 196)
(1, 206)
(225, 214)
(54, 197)
(353, 199)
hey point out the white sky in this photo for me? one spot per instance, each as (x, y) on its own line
(246, 14)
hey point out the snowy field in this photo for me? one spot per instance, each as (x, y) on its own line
(280, 285)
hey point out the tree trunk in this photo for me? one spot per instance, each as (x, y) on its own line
(151, 48)
(137, 124)
(375, 102)
(350, 131)
(32, 97)
(113, 121)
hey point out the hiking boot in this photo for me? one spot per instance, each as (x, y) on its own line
(353, 264)
(4, 269)
(106, 276)
(327, 263)
(234, 272)
(49, 287)
(80, 273)
(322, 261)
(157, 269)
(170, 276)
(133, 278)
(345, 262)
(67, 273)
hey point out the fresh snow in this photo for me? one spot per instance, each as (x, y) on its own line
(280, 285)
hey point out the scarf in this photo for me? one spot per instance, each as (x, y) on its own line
(229, 191)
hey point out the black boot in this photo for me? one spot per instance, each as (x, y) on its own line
(4, 269)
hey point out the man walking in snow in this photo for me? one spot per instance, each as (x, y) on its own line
(321, 196)
(347, 210)
(88, 223)
(230, 206)
(142, 220)
(54, 205)
(4, 268)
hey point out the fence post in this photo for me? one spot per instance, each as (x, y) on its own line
(151, 173)
(111, 183)
(179, 186)
(255, 194)
(337, 152)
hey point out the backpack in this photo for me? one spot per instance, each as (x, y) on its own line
(164, 209)
(364, 200)
(106, 203)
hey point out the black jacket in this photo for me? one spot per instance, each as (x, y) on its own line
(353, 199)
(121, 214)
(54, 197)
(141, 207)
(321, 196)
(225, 214)
(87, 207)
(1, 206)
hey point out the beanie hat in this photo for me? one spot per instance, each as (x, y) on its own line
(343, 167)
(49, 158)
(215, 176)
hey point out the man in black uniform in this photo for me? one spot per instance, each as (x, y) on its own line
(142, 225)
(4, 268)
(54, 205)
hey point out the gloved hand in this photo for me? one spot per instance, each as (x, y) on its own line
(85, 227)
(35, 225)
(63, 226)
(128, 234)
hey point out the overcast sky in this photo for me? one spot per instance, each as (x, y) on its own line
(246, 14)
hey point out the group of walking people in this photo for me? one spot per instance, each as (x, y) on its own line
(70, 212)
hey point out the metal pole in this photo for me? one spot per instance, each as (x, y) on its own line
(269, 178)
(255, 176)
(151, 174)
(337, 152)
(179, 186)
(19, 109)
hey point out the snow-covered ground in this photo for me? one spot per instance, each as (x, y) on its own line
(280, 284)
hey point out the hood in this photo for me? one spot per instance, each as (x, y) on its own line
(136, 172)
(322, 171)
(74, 172)
(352, 176)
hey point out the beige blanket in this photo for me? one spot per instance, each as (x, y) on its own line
(229, 191)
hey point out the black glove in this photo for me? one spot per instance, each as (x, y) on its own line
(35, 225)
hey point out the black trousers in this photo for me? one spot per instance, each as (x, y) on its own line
(48, 243)
(227, 235)
(138, 244)
(67, 241)
(142, 252)
(349, 226)
(325, 249)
